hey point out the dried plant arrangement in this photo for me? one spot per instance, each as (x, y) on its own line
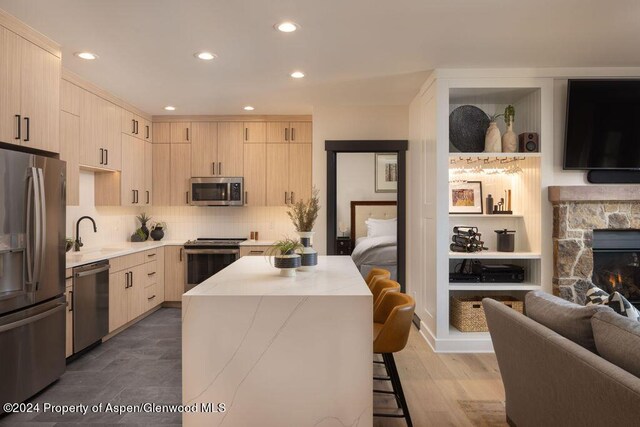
(304, 213)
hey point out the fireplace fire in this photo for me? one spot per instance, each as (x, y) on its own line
(616, 262)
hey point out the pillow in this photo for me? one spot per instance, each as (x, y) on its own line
(381, 227)
(617, 301)
(618, 340)
(566, 318)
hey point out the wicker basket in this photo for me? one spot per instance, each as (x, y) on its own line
(467, 314)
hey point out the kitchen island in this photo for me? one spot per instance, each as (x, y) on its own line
(279, 351)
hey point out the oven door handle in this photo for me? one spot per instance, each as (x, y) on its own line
(211, 251)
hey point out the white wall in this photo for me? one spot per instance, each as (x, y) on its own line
(356, 181)
(349, 123)
(116, 224)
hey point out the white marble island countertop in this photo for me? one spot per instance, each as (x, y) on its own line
(279, 351)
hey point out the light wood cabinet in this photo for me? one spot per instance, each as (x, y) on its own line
(148, 174)
(70, 153)
(68, 294)
(255, 132)
(132, 175)
(277, 166)
(174, 273)
(70, 97)
(253, 250)
(180, 132)
(136, 298)
(230, 149)
(161, 174)
(10, 66)
(300, 172)
(204, 149)
(134, 125)
(294, 132)
(180, 173)
(161, 132)
(30, 88)
(255, 174)
(100, 136)
(118, 304)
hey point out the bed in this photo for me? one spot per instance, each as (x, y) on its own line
(374, 251)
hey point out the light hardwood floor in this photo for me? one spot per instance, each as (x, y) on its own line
(446, 389)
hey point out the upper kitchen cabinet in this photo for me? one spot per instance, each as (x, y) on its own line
(30, 87)
(300, 166)
(180, 132)
(255, 132)
(296, 132)
(132, 124)
(100, 133)
(180, 174)
(70, 97)
(230, 149)
(148, 174)
(161, 132)
(132, 177)
(204, 149)
(70, 153)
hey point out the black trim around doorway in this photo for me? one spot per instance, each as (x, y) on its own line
(368, 146)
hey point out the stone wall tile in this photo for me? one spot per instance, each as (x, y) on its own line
(618, 220)
(586, 216)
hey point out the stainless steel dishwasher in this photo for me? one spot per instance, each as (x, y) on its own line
(90, 304)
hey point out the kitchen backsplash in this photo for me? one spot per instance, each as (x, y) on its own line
(116, 224)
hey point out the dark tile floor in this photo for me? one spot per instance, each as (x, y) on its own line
(141, 364)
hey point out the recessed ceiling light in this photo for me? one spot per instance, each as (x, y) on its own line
(170, 108)
(86, 55)
(297, 74)
(249, 108)
(205, 56)
(287, 27)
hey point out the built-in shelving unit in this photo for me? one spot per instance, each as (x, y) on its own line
(522, 173)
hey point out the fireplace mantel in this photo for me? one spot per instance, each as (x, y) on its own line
(594, 193)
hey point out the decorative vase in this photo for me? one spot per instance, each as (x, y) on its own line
(287, 264)
(509, 140)
(157, 233)
(145, 230)
(308, 255)
(492, 139)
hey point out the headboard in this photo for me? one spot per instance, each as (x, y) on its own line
(361, 211)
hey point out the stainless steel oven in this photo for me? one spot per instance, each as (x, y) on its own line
(206, 257)
(217, 191)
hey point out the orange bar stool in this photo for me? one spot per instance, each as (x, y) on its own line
(381, 287)
(375, 274)
(391, 325)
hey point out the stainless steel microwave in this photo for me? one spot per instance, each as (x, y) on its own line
(217, 191)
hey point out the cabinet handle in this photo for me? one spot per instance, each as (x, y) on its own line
(187, 134)
(126, 280)
(19, 121)
(102, 156)
(151, 297)
(106, 156)
(28, 121)
(181, 254)
(70, 300)
(187, 197)
(246, 197)
(133, 195)
(219, 168)
(133, 125)
(286, 134)
(214, 167)
(131, 285)
(246, 133)
(146, 131)
(150, 255)
(137, 127)
(151, 274)
(292, 197)
(148, 197)
(293, 134)
(256, 252)
(286, 197)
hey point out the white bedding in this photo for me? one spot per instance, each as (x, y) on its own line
(381, 250)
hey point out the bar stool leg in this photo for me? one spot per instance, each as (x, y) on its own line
(397, 386)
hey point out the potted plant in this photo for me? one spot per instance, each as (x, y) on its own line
(68, 244)
(492, 139)
(509, 139)
(139, 236)
(157, 230)
(284, 256)
(303, 214)
(143, 218)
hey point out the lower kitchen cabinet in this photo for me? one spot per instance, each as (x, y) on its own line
(174, 273)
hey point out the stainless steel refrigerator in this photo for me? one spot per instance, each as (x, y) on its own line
(32, 265)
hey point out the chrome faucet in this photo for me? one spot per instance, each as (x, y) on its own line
(77, 244)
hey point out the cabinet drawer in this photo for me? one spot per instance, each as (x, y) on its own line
(150, 255)
(152, 273)
(152, 297)
(253, 250)
(128, 261)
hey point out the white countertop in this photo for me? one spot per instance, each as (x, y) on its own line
(257, 243)
(255, 276)
(87, 256)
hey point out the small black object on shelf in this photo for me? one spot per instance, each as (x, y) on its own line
(466, 239)
(506, 240)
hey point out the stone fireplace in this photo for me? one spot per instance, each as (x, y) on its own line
(577, 212)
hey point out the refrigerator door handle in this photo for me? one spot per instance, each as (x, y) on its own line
(22, 322)
(29, 226)
(40, 217)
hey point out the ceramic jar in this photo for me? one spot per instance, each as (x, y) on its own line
(492, 139)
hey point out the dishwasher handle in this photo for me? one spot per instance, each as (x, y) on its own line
(98, 268)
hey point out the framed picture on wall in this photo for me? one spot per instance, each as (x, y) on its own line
(465, 197)
(386, 173)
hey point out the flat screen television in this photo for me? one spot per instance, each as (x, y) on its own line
(603, 125)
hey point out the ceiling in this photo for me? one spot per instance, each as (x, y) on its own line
(354, 52)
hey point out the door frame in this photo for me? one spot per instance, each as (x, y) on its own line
(333, 148)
